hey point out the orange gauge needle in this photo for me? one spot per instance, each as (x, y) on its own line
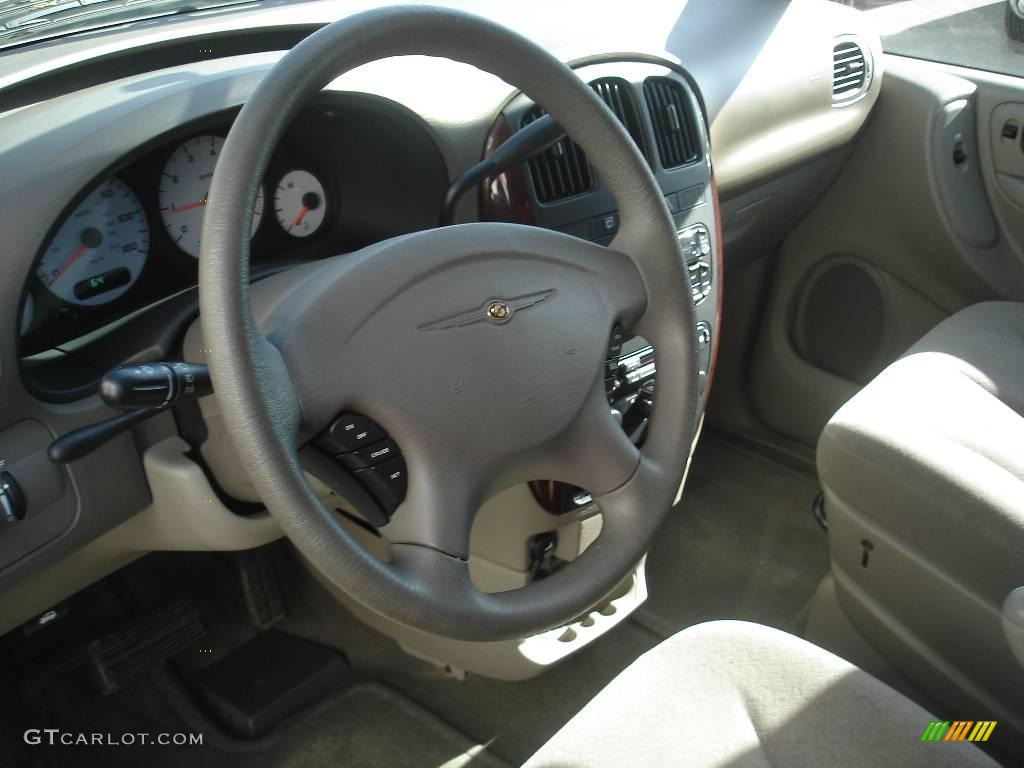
(189, 207)
(70, 260)
(300, 216)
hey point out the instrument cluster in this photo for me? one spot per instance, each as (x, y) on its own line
(153, 210)
(134, 236)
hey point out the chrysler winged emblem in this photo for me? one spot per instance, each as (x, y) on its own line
(496, 311)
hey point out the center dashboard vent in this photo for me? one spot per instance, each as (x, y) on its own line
(563, 171)
(675, 126)
(618, 95)
(560, 171)
(851, 71)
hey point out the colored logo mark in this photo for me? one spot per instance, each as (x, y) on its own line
(959, 730)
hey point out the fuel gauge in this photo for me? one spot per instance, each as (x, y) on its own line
(300, 203)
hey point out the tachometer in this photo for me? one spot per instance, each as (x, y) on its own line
(184, 187)
(100, 249)
(300, 203)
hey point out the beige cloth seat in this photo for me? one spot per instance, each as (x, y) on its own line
(736, 695)
(926, 465)
(933, 448)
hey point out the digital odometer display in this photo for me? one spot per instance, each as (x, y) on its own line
(100, 249)
(100, 284)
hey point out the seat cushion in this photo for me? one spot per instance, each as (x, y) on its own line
(738, 695)
(923, 473)
(933, 448)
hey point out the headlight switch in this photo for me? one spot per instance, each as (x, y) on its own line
(12, 500)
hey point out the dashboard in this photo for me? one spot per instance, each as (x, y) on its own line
(130, 239)
(107, 140)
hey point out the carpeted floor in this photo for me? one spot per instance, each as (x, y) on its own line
(512, 718)
(743, 544)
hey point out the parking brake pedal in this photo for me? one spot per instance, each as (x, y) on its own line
(150, 639)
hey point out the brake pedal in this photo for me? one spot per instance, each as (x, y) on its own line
(150, 639)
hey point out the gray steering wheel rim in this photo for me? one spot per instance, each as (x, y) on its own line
(253, 385)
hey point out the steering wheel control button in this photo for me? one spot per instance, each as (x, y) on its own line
(349, 433)
(12, 501)
(611, 363)
(615, 342)
(386, 483)
(371, 455)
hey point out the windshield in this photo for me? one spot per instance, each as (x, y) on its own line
(24, 20)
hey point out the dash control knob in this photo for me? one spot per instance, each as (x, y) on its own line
(12, 500)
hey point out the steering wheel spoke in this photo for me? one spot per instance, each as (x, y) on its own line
(440, 506)
(628, 296)
(594, 453)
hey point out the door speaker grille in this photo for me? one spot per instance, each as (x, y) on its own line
(841, 319)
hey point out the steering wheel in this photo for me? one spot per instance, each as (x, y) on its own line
(479, 348)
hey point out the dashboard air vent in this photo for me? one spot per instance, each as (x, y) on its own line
(675, 127)
(851, 71)
(560, 171)
(618, 95)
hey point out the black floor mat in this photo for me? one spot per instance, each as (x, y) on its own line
(743, 544)
(367, 725)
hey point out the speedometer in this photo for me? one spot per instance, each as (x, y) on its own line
(184, 188)
(99, 250)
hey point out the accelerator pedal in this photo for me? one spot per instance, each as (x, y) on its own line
(261, 586)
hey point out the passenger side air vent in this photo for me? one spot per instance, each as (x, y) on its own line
(675, 127)
(618, 95)
(560, 171)
(851, 71)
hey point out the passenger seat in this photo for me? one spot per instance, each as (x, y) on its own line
(923, 473)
